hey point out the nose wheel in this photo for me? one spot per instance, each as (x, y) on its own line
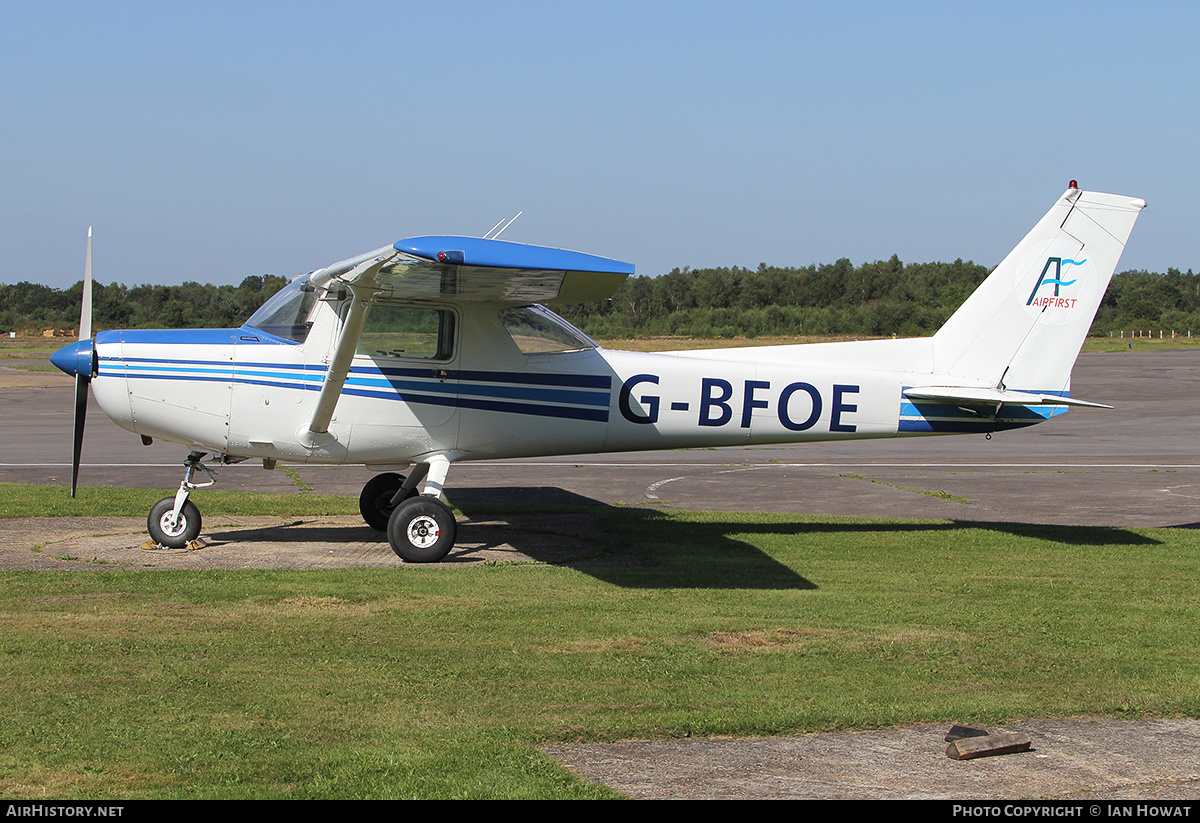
(168, 529)
(174, 522)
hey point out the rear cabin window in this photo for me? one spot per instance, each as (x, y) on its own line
(537, 330)
(406, 331)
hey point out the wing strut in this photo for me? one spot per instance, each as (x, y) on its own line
(361, 282)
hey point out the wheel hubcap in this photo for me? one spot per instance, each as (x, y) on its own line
(423, 532)
(172, 526)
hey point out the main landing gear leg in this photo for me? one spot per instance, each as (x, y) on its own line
(174, 522)
(422, 529)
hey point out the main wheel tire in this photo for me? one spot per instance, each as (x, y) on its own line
(375, 502)
(422, 530)
(185, 529)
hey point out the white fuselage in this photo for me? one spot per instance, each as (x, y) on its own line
(248, 394)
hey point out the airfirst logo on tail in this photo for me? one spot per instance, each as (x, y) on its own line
(1057, 302)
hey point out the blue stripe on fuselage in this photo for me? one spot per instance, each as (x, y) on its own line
(510, 392)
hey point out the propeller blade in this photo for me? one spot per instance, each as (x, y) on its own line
(81, 399)
(82, 378)
(85, 312)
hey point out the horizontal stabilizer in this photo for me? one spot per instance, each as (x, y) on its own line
(969, 394)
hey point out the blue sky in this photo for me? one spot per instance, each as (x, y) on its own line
(211, 141)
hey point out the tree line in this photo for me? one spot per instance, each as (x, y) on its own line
(881, 298)
(33, 308)
(876, 299)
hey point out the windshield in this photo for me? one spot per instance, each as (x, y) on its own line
(286, 314)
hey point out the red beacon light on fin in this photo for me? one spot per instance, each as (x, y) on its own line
(1074, 184)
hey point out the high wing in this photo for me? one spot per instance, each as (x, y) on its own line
(476, 269)
(454, 269)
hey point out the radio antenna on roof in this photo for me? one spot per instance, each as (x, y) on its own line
(492, 233)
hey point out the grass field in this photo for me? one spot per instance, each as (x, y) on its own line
(21, 500)
(443, 681)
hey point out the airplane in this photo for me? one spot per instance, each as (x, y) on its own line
(440, 349)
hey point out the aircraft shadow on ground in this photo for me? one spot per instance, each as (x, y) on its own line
(636, 547)
(655, 550)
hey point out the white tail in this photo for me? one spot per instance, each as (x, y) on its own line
(1024, 326)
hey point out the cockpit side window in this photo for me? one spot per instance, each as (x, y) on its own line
(288, 313)
(395, 330)
(537, 330)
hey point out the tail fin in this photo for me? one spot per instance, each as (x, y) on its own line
(1024, 326)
